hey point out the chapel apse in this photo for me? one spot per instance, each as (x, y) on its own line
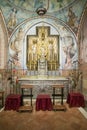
(19, 16)
(17, 12)
(62, 36)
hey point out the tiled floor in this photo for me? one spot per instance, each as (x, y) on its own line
(71, 119)
(85, 108)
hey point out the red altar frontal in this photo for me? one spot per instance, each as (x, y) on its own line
(43, 102)
(75, 100)
(13, 102)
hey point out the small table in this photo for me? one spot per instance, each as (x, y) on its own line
(13, 102)
(2, 97)
(43, 102)
(26, 108)
(75, 100)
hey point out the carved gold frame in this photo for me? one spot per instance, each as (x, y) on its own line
(42, 38)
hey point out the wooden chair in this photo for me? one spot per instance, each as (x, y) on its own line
(61, 95)
(2, 97)
(24, 108)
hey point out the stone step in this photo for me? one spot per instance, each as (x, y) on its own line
(59, 108)
(25, 109)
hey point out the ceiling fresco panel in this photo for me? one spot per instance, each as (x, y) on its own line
(51, 5)
(20, 10)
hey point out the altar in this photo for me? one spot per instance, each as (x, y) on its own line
(42, 59)
(43, 85)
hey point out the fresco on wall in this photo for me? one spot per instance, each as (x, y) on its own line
(69, 52)
(16, 47)
(12, 19)
(72, 20)
(3, 41)
(83, 49)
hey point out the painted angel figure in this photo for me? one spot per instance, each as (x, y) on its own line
(12, 19)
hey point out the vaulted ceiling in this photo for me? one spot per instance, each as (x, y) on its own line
(60, 9)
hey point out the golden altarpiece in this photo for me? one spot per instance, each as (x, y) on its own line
(42, 51)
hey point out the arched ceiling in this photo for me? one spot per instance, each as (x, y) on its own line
(68, 11)
(50, 5)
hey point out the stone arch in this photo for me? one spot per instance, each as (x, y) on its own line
(3, 42)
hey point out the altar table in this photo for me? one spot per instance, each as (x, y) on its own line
(13, 102)
(39, 83)
(43, 102)
(75, 100)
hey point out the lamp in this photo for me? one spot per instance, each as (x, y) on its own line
(41, 11)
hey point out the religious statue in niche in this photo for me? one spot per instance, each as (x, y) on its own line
(34, 50)
(50, 52)
(42, 64)
(43, 47)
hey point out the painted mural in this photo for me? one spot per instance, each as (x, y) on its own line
(72, 20)
(83, 49)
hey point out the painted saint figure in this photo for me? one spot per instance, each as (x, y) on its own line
(12, 19)
(16, 47)
(69, 51)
